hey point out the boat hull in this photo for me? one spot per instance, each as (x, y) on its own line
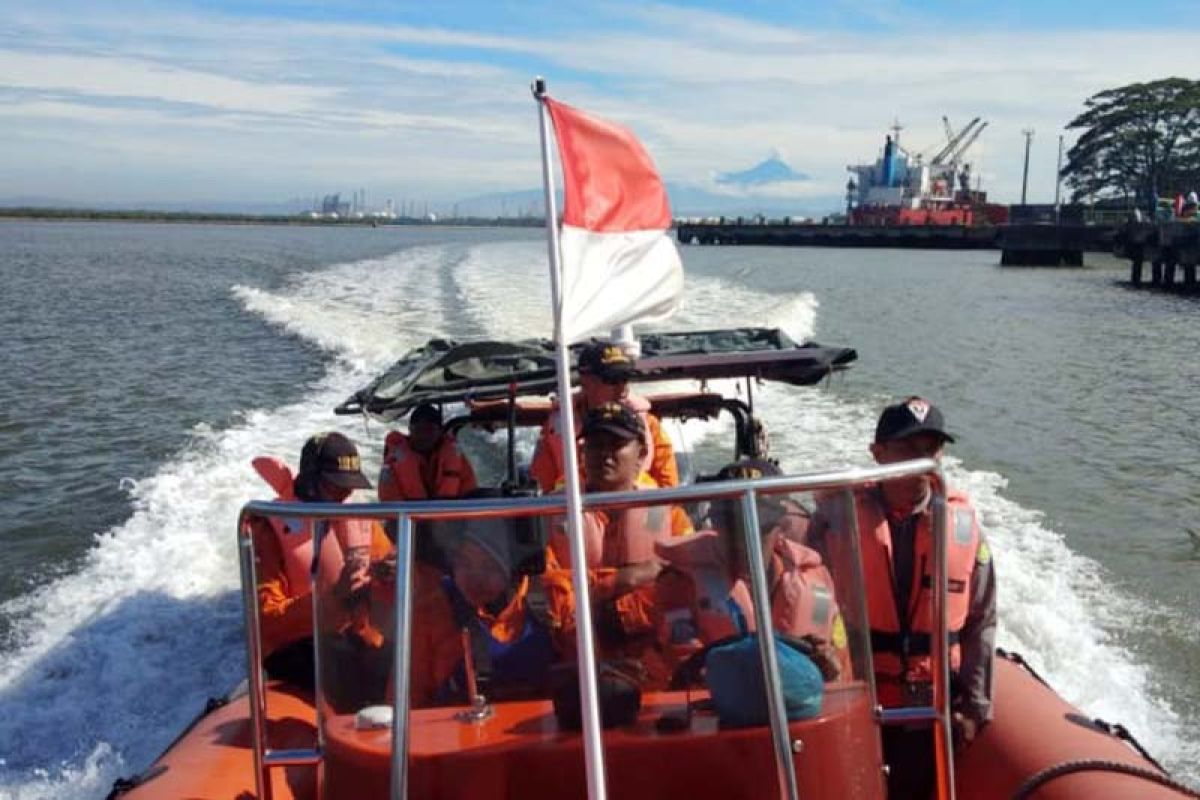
(519, 754)
(1036, 730)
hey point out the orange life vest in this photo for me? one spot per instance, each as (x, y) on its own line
(701, 603)
(617, 538)
(402, 476)
(900, 638)
(294, 536)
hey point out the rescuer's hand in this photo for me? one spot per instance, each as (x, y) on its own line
(355, 577)
(964, 729)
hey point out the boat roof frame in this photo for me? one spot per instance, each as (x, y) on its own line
(769, 355)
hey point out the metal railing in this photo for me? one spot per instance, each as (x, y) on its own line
(744, 491)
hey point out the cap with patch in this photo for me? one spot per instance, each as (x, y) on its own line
(333, 458)
(426, 412)
(616, 418)
(770, 507)
(748, 469)
(914, 415)
(605, 361)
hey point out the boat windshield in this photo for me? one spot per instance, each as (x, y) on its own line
(446, 643)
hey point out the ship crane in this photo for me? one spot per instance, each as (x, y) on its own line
(953, 144)
(961, 150)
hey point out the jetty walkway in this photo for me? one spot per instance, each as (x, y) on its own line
(1023, 244)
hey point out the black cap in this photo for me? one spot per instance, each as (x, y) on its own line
(606, 361)
(426, 412)
(748, 469)
(915, 415)
(770, 507)
(615, 418)
(333, 457)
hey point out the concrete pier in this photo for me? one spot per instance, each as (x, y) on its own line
(932, 237)
(1051, 245)
(1172, 250)
(1033, 244)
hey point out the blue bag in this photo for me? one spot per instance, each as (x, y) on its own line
(735, 681)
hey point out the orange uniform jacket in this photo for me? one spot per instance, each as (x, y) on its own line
(437, 646)
(547, 465)
(626, 621)
(408, 475)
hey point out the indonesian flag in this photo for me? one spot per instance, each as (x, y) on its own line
(618, 263)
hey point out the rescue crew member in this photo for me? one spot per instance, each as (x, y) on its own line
(896, 530)
(619, 545)
(329, 472)
(703, 592)
(504, 614)
(604, 371)
(425, 464)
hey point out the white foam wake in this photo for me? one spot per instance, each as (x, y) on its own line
(115, 659)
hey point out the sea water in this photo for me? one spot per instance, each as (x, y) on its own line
(147, 364)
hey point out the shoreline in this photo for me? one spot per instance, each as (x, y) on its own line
(199, 218)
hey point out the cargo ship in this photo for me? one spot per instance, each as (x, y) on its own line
(906, 188)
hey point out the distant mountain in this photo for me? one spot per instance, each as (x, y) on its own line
(773, 170)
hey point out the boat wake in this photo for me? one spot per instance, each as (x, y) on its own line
(111, 662)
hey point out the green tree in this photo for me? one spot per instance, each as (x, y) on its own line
(1138, 141)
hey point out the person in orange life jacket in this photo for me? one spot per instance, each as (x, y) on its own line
(426, 463)
(896, 530)
(329, 472)
(604, 372)
(509, 629)
(619, 547)
(703, 592)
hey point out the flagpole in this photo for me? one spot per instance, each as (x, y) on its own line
(589, 696)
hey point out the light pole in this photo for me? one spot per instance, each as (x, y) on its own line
(1058, 181)
(1058, 174)
(1028, 134)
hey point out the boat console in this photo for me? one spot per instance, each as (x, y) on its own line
(519, 752)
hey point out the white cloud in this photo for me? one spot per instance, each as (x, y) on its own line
(355, 104)
(121, 77)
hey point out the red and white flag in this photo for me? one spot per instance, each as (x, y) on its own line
(619, 265)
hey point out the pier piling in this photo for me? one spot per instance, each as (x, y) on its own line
(1172, 248)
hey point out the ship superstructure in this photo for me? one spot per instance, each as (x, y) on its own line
(902, 188)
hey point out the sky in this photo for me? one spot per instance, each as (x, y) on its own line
(261, 102)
